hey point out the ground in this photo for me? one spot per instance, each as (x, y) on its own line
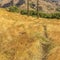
(19, 36)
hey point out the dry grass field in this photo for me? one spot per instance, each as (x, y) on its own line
(19, 37)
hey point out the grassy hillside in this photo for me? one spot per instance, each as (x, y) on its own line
(20, 36)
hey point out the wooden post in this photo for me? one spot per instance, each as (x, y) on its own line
(12, 2)
(37, 8)
(28, 7)
(1, 3)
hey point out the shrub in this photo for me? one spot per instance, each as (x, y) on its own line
(41, 14)
(32, 13)
(13, 9)
(56, 15)
(51, 15)
(44, 15)
(23, 12)
(58, 9)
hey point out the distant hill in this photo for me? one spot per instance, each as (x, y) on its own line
(44, 5)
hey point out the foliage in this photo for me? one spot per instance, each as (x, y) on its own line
(56, 15)
(51, 15)
(41, 14)
(58, 9)
(13, 9)
(32, 13)
(23, 12)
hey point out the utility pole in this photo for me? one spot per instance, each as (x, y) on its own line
(37, 8)
(28, 7)
(12, 2)
(1, 3)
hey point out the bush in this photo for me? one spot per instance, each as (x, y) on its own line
(32, 5)
(44, 15)
(41, 14)
(58, 9)
(51, 15)
(56, 15)
(23, 12)
(32, 13)
(13, 9)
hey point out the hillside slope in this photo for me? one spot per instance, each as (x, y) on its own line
(19, 36)
(49, 6)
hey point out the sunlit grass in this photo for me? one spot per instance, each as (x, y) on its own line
(20, 34)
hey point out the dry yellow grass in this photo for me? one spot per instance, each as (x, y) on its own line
(18, 35)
